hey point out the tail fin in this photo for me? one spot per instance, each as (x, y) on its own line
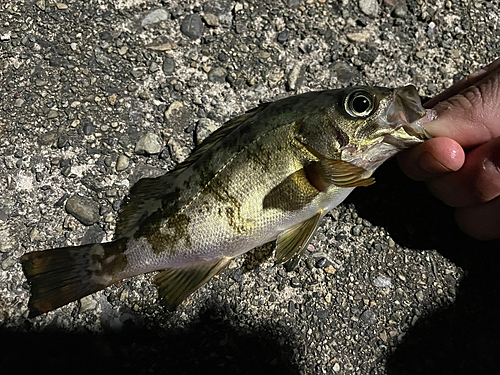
(63, 275)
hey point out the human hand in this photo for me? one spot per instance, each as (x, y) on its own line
(461, 165)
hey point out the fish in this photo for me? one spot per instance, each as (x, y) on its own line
(270, 174)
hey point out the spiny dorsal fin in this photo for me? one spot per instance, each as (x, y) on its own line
(326, 172)
(175, 285)
(150, 194)
(217, 135)
(292, 243)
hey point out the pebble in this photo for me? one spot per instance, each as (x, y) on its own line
(179, 153)
(122, 163)
(203, 129)
(336, 367)
(83, 209)
(36, 235)
(341, 236)
(174, 107)
(87, 304)
(360, 37)
(291, 307)
(62, 141)
(382, 282)
(295, 78)
(18, 102)
(5, 245)
(321, 263)
(401, 9)
(356, 231)
(283, 36)
(217, 74)
(154, 67)
(369, 7)
(112, 99)
(295, 282)
(420, 296)
(149, 144)
(8, 262)
(344, 72)
(192, 26)
(155, 16)
(41, 4)
(421, 54)
(211, 19)
(145, 95)
(369, 317)
(100, 57)
(168, 65)
(52, 114)
(330, 269)
(88, 128)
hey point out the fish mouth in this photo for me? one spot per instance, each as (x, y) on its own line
(406, 111)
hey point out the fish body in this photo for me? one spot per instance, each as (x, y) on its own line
(270, 174)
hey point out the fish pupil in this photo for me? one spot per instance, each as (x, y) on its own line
(360, 104)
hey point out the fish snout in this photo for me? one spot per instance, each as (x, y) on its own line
(406, 110)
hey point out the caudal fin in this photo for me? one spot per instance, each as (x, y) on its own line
(63, 275)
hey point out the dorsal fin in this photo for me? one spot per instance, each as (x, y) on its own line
(151, 194)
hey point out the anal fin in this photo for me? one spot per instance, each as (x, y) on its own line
(291, 244)
(176, 284)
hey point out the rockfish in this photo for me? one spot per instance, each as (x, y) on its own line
(269, 174)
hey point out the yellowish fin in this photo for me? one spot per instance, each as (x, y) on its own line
(291, 244)
(176, 284)
(327, 172)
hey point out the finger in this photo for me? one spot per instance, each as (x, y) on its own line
(461, 85)
(432, 158)
(471, 117)
(478, 181)
(480, 221)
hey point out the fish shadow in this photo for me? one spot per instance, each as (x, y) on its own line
(210, 344)
(464, 337)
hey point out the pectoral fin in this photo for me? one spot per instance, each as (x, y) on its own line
(291, 244)
(175, 285)
(326, 172)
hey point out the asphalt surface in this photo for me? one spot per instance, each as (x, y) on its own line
(98, 94)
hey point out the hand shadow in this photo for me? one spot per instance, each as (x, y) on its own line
(209, 345)
(463, 338)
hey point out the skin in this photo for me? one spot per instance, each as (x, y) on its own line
(461, 165)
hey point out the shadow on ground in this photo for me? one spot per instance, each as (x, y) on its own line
(209, 346)
(465, 337)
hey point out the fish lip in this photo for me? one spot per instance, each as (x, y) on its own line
(406, 111)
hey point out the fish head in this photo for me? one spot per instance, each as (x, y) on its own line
(378, 122)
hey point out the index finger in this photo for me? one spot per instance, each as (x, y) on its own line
(464, 83)
(472, 116)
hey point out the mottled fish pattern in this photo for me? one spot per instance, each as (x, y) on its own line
(270, 174)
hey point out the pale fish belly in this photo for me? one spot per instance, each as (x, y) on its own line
(218, 238)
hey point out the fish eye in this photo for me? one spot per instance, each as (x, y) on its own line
(359, 104)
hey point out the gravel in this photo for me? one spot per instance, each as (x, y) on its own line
(98, 94)
(83, 209)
